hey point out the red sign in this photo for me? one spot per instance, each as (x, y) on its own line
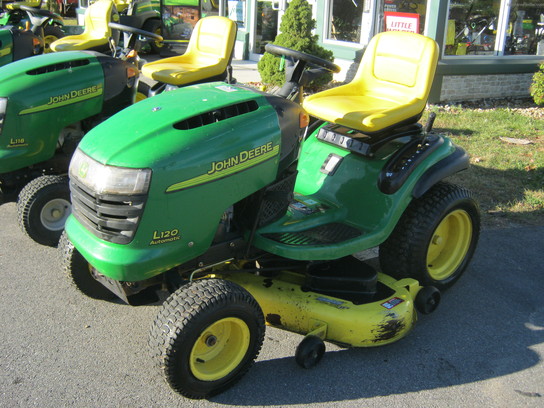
(401, 22)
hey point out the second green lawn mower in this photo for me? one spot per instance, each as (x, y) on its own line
(47, 103)
(18, 41)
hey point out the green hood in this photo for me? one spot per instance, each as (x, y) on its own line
(147, 134)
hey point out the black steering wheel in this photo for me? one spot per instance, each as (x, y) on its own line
(301, 56)
(137, 31)
(38, 12)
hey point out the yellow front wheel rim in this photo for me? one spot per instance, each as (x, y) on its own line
(449, 245)
(219, 349)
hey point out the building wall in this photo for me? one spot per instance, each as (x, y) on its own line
(468, 87)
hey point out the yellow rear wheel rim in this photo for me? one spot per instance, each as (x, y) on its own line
(140, 96)
(158, 44)
(449, 245)
(219, 349)
(47, 41)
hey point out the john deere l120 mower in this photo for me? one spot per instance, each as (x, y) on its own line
(47, 103)
(249, 215)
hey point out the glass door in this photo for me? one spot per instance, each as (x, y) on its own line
(267, 23)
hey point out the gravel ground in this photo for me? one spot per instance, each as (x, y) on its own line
(523, 106)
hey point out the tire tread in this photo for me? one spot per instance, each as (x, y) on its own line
(399, 255)
(177, 315)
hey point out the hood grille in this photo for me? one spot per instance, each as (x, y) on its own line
(217, 115)
(110, 217)
(61, 66)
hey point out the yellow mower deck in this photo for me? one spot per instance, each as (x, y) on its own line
(287, 306)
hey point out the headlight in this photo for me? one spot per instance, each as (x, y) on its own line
(103, 179)
(3, 106)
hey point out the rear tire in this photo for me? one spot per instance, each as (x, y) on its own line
(143, 91)
(154, 26)
(79, 273)
(51, 34)
(206, 337)
(435, 238)
(43, 207)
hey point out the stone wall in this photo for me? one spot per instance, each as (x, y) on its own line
(468, 87)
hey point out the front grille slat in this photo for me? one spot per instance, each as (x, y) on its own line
(128, 211)
(109, 217)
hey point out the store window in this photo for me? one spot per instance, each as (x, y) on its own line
(179, 17)
(525, 31)
(495, 27)
(353, 21)
(237, 12)
(401, 15)
(345, 20)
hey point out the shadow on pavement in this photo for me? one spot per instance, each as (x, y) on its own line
(484, 328)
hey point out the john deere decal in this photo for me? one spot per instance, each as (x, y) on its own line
(67, 98)
(223, 168)
(73, 94)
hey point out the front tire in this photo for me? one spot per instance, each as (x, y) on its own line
(79, 273)
(43, 207)
(206, 337)
(435, 238)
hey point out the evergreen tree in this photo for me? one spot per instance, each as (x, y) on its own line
(296, 33)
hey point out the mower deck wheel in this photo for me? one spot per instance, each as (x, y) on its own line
(427, 300)
(79, 271)
(43, 207)
(310, 351)
(206, 337)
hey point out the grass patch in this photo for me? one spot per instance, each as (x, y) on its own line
(506, 148)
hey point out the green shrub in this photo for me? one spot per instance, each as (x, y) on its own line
(296, 33)
(537, 86)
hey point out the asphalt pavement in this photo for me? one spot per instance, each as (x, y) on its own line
(483, 347)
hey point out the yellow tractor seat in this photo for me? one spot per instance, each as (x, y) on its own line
(97, 31)
(17, 4)
(208, 55)
(122, 5)
(390, 88)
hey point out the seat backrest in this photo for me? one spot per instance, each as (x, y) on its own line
(398, 66)
(97, 19)
(28, 3)
(214, 37)
(121, 5)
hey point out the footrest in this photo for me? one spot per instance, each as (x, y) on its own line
(332, 233)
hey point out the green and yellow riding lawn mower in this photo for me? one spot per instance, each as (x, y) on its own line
(47, 103)
(26, 31)
(144, 14)
(249, 214)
